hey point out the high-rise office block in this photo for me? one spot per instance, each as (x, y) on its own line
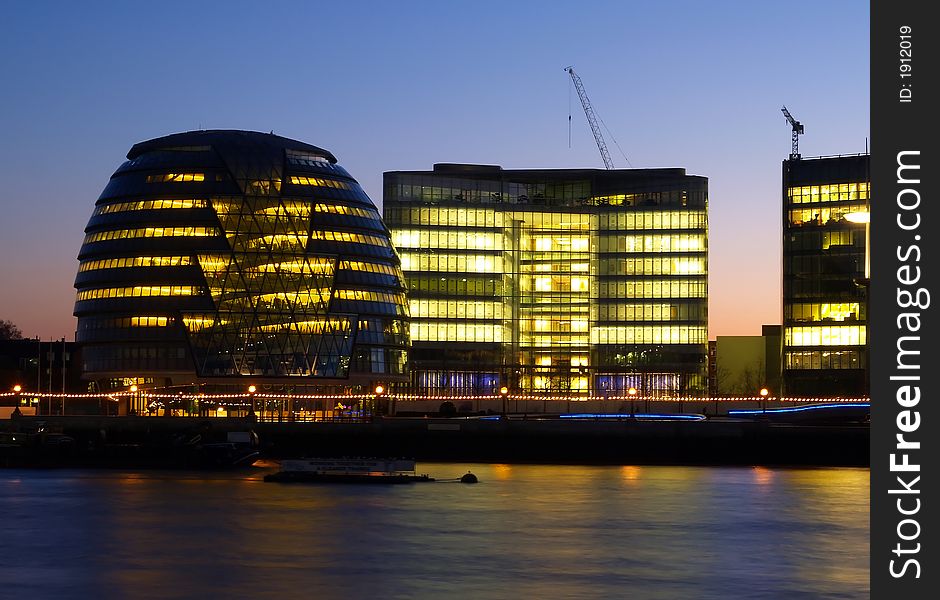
(569, 281)
(825, 276)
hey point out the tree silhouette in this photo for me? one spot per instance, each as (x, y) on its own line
(9, 330)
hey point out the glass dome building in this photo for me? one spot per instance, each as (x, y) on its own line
(223, 257)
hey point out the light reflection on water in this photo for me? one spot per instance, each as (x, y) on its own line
(523, 532)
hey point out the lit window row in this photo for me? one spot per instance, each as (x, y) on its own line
(149, 232)
(556, 340)
(344, 236)
(310, 266)
(150, 321)
(657, 288)
(341, 209)
(649, 312)
(576, 284)
(834, 215)
(296, 298)
(451, 240)
(452, 263)
(652, 243)
(456, 332)
(313, 326)
(88, 323)
(557, 221)
(555, 325)
(456, 309)
(134, 261)
(660, 219)
(825, 311)
(836, 192)
(556, 267)
(368, 267)
(667, 334)
(176, 177)
(368, 296)
(820, 359)
(149, 205)
(285, 241)
(319, 182)
(836, 335)
(139, 291)
(439, 217)
(559, 243)
(686, 265)
(199, 322)
(837, 238)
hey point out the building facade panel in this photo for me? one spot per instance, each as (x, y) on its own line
(553, 281)
(825, 276)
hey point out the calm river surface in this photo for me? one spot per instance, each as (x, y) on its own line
(523, 532)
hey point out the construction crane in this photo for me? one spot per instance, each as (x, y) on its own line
(592, 119)
(797, 130)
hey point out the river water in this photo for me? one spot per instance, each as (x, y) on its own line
(523, 532)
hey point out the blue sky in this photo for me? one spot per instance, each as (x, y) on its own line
(389, 86)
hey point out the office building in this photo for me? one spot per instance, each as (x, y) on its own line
(224, 258)
(825, 276)
(559, 282)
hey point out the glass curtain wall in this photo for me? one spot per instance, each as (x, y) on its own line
(549, 283)
(825, 284)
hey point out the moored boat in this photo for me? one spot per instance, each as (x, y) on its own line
(347, 470)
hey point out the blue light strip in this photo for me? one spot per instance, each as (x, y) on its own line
(658, 417)
(793, 409)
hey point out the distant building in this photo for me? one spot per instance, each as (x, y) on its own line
(228, 258)
(825, 276)
(40, 366)
(746, 363)
(567, 281)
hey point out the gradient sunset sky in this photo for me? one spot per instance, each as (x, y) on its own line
(400, 86)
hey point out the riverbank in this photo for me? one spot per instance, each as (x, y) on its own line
(169, 441)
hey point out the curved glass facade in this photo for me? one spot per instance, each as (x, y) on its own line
(222, 256)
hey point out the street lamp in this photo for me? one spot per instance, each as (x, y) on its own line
(132, 399)
(763, 398)
(251, 396)
(504, 394)
(632, 393)
(376, 401)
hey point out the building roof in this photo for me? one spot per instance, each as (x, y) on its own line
(226, 137)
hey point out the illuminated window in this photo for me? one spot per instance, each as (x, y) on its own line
(150, 321)
(134, 261)
(836, 335)
(344, 236)
(319, 182)
(139, 291)
(543, 284)
(149, 232)
(176, 177)
(149, 205)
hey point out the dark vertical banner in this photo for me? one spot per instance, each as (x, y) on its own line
(905, 366)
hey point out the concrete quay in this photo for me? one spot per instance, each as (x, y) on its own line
(116, 441)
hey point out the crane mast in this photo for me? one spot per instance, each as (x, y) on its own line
(797, 129)
(592, 119)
